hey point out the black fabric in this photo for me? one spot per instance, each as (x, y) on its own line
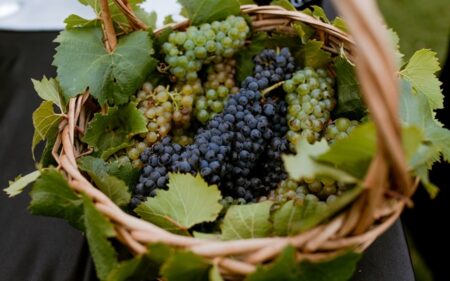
(45, 249)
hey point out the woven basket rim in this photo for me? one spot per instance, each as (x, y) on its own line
(328, 239)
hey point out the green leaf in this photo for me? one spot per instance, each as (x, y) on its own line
(297, 216)
(18, 185)
(185, 266)
(143, 266)
(75, 21)
(395, 40)
(339, 23)
(302, 165)
(204, 11)
(189, 201)
(420, 72)
(98, 230)
(44, 120)
(207, 236)
(247, 221)
(52, 196)
(214, 274)
(47, 156)
(148, 18)
(111, 186)
(318, 13)
(111, 132)
(349, 100)
(83, 63)
(304, 31)
(354, 153)
(283, 3)
(312, 55)
(117, 15)
(244, 58)
(49, 90)
(415, 110)
(286, 268)
(124, 170)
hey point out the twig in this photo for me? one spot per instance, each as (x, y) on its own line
(110, 33)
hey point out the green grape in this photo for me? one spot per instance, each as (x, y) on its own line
(185, 52)
(218, 86)
(339, 129)
(309, 95)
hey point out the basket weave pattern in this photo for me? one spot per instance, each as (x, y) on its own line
(388, 185)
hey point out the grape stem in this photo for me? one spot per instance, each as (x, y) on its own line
(271, 88)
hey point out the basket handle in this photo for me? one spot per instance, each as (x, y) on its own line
(376, 71)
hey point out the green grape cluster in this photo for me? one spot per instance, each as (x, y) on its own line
(310, 99)
(219, 84)
(323, 190)
(186, 51)
(339, 129)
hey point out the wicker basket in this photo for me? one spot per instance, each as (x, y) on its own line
(388, 185)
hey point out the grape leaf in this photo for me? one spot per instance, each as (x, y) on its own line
(44, 120)
(98, 230)
(52, 196)
(317, 12)
(188, 201)
(75, 21)
(49, 90)
(304, 31)
(415, 110)
(283, 3)
(339, 23)
(111, 186)
(206, 236)
(247, 221)
(349, 100)
(420, 72)
(354, 153)
(83, 63)
(143, 266)
(286, 268)
(312, 55)
(303, 164)
(205, 11)
(117, 15)
(395, 41)
(185, 266)
(124, 170)
(244, 58)
(214, 274)
(298, 216)
(18, 185)
(47, 156)
(109, 133)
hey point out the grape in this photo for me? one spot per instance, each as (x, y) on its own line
(310, 98)
(220, 83)
(229, 149)
(339, 129)
(186, 51)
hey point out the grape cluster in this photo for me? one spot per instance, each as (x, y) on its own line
(185, 52)
(310, 100)
(219, 84)
(339, 129)
(324, 190)
(228, 149)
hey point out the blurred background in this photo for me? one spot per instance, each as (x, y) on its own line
(419, 24)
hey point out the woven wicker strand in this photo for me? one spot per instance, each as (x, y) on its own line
(357, 227)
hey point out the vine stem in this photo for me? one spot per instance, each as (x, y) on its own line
(271, 88)
(110, 33)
